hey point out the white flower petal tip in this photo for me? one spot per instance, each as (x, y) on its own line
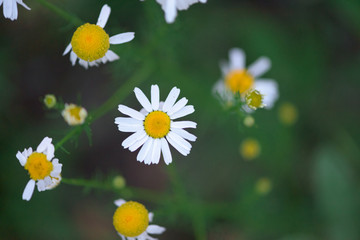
(10, 8)
(119, 202)
(122, 38)
(103, 16)
(154, 126)
(28, 191)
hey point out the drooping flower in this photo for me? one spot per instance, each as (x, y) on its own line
(74, 114)
(131, 221)
(154, 126)
(90, 43)
(10, 9)
(237, 79)
(43, 168)
(171, 7)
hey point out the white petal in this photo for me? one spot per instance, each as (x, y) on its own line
(50, 152)
(21, 158)
(237, 58)
(166, 151)
(260, 66)
(127, 121)
(8, 8)
(183, 124)
(179, 105)
(185, 134)
(129, 128)
(40, 185)
(67, 49)
(225, 68)
(203, 1)
(171, 99)
(122, 237)
(156, 151)
(104, 16)
(73, 58)
(47, 181)
(155, 96)
(145, 150)
(137, 144)
(268, 88)
(119, 202)
(143, 100)
(28, 191)
(170, 11)
(111, 56)
(23, 4)
(133, 138)
(122, 38)
(84, 63)
(131, 112)
(183, 112)
(14, 14)
(185, 144)
(177, 146)
(44, 144)
(155, 229)
(151, 216)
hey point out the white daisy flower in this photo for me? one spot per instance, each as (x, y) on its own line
(170, 7)
(154, 126)
(239, 79)
(74, 114)
(43, 168)
(10, 9)
(90, 43)
(131, 221)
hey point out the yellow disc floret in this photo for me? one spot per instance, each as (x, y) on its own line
(90, 42)
(131, 219)
(239, 81)
(38, 166)
(75, 112)
(254, 99)
(157, 124)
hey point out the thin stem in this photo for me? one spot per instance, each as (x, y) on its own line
(68, 17)
(120, 94)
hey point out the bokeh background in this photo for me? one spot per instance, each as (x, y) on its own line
(311, 165)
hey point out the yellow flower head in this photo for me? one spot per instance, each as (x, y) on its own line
(74, 114)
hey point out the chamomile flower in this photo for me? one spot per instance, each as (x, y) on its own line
(74, 114)
(154, 126)
(43, 168)
(131, 221)
(10, 9)
(170, 7)
(237, 78)
(90, 43)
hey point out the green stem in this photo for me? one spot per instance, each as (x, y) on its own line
(68, 17)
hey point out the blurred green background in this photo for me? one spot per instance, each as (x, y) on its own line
(312, 165)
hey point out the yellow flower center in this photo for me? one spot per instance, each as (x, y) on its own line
(38, 166)
(90, 42)
(157, 124)
(239, 81)
(250, 149)
(254, 99)
(75, 112)
(131, 219)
